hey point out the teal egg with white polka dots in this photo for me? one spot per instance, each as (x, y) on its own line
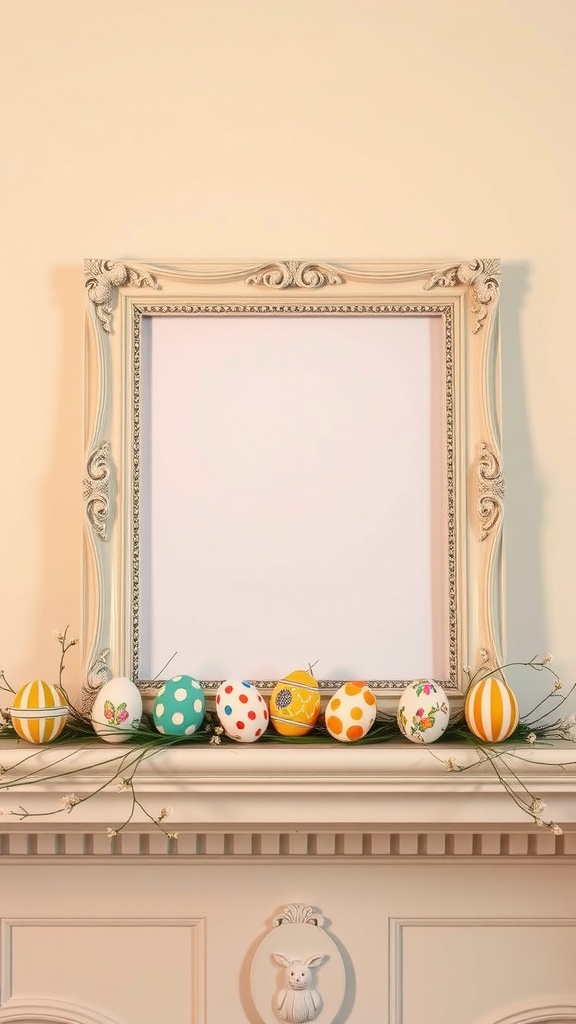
(179, 707)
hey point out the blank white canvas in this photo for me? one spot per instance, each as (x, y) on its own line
(293, 497)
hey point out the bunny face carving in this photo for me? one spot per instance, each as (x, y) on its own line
(298, 1001)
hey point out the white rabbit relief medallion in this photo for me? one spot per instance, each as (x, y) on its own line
(299, 1001)
(298, 973)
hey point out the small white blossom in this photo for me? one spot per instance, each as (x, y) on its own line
(531, 737)
(172, 835)
(556, 829)
(546, 659)
(451, 765)
(537, 807)
(539, 822)
(123, 785)
(214, 741)
(111, 832)
(217, 734)
(558, 685)
(69, 801)
(164, 813)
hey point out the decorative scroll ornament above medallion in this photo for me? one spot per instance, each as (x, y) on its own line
(96, 488)
(490, 490)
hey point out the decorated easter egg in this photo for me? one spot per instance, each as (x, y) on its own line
(39, 712)
(423, 711)
(350, 713)
(241, 710)
(491, 710)
(117, 710)
(179, 706)
(295, 704)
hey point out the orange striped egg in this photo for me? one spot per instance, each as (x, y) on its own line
(39, 712)
(491, 710)
(351, 712)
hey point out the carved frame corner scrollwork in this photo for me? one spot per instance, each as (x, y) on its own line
(120, 294)
(481, 277)
(104, 278)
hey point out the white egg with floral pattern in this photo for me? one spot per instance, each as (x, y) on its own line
(117, 710)
(423, 711)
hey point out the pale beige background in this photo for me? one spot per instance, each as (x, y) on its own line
(315, 128)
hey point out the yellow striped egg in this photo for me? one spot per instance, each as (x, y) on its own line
(39, 712)
(491, 710)
(295, 704)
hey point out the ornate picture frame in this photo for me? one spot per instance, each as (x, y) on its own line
(124, 297)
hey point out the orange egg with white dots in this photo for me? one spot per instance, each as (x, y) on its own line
(351, 712)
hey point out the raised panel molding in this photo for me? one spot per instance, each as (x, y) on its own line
(14, 1008)
(557, 1013)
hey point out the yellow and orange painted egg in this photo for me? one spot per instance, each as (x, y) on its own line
(491, 710)
(39, 712)
(351, 712)
(295, 704)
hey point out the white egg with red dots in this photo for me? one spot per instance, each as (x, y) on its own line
(241, 710)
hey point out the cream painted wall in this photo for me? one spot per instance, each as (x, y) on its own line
(323, 128)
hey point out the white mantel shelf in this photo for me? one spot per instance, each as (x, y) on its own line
(348, 799)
